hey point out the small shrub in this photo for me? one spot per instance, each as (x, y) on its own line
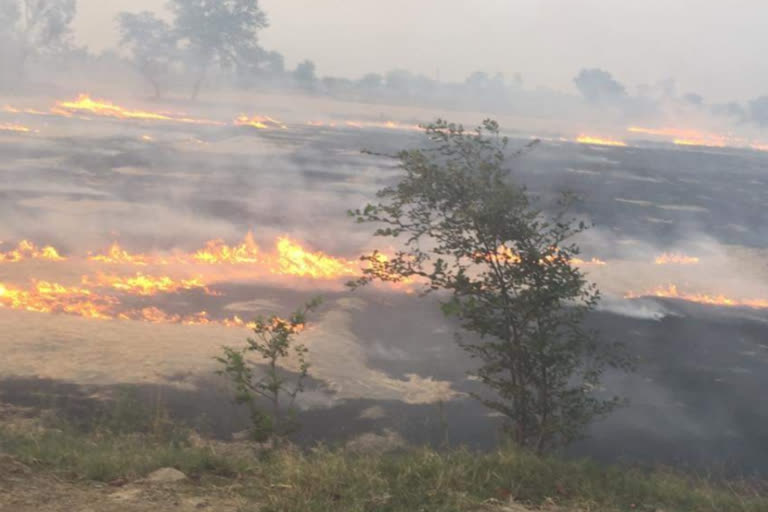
(273, 343)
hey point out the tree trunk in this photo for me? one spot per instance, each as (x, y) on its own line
(147, 73)
(196, 88)
(199, 83)
(155, 88)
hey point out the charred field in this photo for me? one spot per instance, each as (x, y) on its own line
(170, 231)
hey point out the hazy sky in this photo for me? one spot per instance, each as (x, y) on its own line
(712, 47)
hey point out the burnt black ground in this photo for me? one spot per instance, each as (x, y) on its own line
(697, 398)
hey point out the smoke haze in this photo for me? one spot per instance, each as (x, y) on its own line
(144, 157)
(709, 49)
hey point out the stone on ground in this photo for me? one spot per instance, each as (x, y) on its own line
(166, 475)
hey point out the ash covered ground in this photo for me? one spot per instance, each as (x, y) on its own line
(381, 357)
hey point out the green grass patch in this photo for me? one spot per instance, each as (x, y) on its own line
(106, 457)
(418, 479)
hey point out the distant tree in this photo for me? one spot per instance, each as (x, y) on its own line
(668, 87)
(218, 32)
(505, 272)
(731, 109)
(269, 65)
(758, 110)
(337, 86)
(422, 85)
(399, 81)
(478, 80)
(597, 85)
(305, 76)
(274, 63)
(662, 90)
(36, 27)
(371, 81)
(498, 82)
(9, 15)
(481, 82)
(517, 80)
(152, 43)
(694, 99)
(8, 50)
(273, 343)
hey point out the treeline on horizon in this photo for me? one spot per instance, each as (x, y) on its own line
(216, 45)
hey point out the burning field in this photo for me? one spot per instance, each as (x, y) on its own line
(139, 240)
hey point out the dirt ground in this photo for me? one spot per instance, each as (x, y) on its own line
(23, 491)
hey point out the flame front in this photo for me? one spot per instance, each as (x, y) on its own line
(17, 128)
(675, 258)
(507, 254)
(27, 250)
(85, 104)
(712, 143)
(593, 261)
(293, 259)
(145, 285)
(260, 122)
(685, 137)
(30, 111)
(47, 297)
(389, 125)
(587, 139)
(154, 315)
(672, 292)
(217, 252)
(117, 255)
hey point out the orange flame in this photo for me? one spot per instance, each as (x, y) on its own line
(321, 124)
(682, 137)
(28, 250)
(593, 261)
(117, 255)
(260, 122)
(507, 254)
(675, 258)
(157, 316)
(16, 128)
(598, 141)
(46, 297)
(672, 292)
(144, 285)
(290, 258)
(712, 143)
(665, 132)
(236, 321)
(295, 260)
(217, 252)
(85, 104)
(390, 125)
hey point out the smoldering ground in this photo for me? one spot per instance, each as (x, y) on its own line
(81, 184)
